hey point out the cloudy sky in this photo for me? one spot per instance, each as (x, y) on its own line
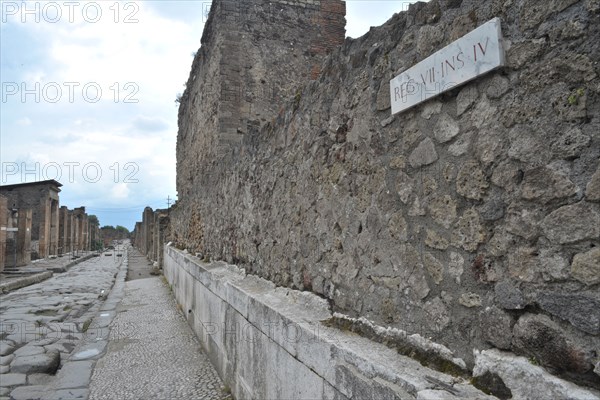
(88, 95)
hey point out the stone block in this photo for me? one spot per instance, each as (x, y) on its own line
(586, 266)
(581, 310)
(541, 338)
(572, 223)
(525, 380)
(424, 154)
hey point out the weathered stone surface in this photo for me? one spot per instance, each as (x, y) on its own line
(446, 128)
(6, 360)
(529, 263)
(404, 186)
(29, 350)
(471, 182)
(443, 210)
(506, 175)
(468, 232)
(435, 240)
(74, 374)
(431, 108)
(525, 380)
(586, 266)
(8, 380)
(592, 190)
(570, 144)
(496, 326)
(496, 86)
(456, 266)
(583, 311)
(43, 363)
(509, 296)
(465, 99)
(490, 146)
(461, 145)
(438, 314)
(470, 300)
(572, 223)
(433, 267)
(398, 227)
(546, 184)
(424, 154)
(36, 392)
(6, 347)
(383, 96)
(538, 336)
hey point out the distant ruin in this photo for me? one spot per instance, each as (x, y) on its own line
(34, 226)
(472, 219)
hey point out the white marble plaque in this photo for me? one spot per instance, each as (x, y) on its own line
(474, 54)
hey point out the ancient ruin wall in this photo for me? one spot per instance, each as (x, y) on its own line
(472, 218)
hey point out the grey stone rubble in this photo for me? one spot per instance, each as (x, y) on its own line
(152, 352)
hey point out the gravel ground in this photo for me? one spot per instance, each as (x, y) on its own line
(153, 353)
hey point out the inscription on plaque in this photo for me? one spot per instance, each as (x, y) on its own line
(478, 52)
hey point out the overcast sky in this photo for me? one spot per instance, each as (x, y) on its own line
(88, 96)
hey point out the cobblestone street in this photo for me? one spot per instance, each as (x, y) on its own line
(84, 334)
(42, 325)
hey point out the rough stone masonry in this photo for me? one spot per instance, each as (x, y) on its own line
(472, 218)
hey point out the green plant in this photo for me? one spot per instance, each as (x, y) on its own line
(574, 97)
(86, 325)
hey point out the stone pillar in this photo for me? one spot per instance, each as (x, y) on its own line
(63, 226)
(54, 227)
(24, 237)
(18, 244)
(3, 225)
(147, 220)
(70, 232)
(44, 227)
(160, 226)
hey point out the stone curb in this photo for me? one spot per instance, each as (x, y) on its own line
(18, 283)
(71, 264)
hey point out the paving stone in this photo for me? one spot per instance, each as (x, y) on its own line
(74, 374)
(5, 360)
(8, 380)
(29, 350)
(35, 392)
(68, 394)
(6, 347)
(44, 363)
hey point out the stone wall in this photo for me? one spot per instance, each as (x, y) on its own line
(3, 226)
(472, 218)
(42, 199)
(150, 234)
